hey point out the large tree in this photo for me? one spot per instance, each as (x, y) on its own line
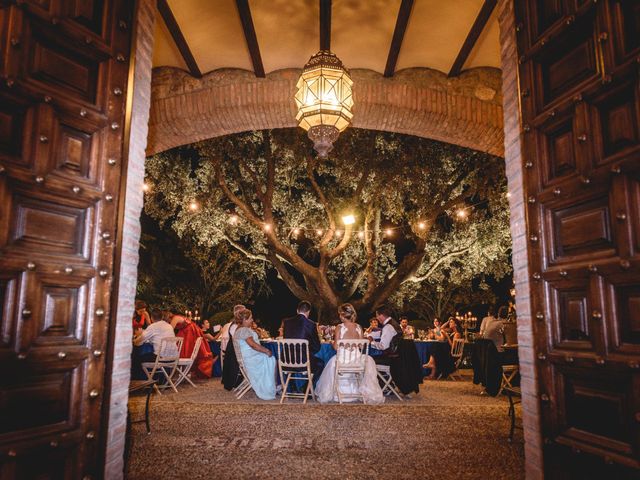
(266, 195)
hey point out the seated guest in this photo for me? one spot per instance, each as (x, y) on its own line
(259, 365)
(438, 333)
(455, 331)
(262, 333)
(207, 332)
(153, 334)
(408, 331)
(388, 342)
(231, 376)
(190, 332)
(491, 328)
(302, 327)
(227, 331)
(140, 317)
(374, 330)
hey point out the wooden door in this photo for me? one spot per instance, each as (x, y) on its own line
(580, 101)
(63, 76)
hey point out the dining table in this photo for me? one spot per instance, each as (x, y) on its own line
(441, 351)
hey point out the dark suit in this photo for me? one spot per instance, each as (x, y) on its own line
(302, 328)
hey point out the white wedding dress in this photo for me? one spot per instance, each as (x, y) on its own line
(369, 386)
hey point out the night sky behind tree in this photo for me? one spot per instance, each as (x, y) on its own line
(265, 196)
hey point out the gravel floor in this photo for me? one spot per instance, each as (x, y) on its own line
(447, 431)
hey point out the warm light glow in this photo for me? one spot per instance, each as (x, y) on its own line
(146, 187)
(360, 234)
(461, 213)
(233, 219)
(267, 227)
(349, 219)
(296, 231)
(193, 206)
(324, 100)
(508, 194)
(422, 225)
(338, 233)
(388, 232)
(319, 232)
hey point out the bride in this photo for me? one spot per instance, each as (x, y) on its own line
(369, 387)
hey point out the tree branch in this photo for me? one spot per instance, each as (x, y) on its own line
(432, 268)
(328, 235)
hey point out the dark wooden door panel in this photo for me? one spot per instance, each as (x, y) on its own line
(63, 78)
(581, 140)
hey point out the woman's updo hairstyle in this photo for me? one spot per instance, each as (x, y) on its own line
(347, 312)
(244, 315)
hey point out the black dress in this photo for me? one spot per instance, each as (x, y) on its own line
(231, 376)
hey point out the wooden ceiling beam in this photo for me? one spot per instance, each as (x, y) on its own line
(178, 38)
(250, 37)
(325, 24)
(398, 35)
(472, 37)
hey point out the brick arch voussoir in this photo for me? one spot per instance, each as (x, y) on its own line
(465, 111)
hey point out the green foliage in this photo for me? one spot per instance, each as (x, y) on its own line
(271, 178)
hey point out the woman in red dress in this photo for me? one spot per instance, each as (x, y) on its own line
(185, 328)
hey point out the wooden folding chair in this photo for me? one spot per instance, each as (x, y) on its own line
(388, 385)
(185, 364)
(166, 363)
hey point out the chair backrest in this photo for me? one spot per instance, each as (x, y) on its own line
(352, 353)
(510, 332)
(293, 353)
(196, 349)
(457, 347)
(169, 350)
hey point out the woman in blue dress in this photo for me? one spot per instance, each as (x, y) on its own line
(259, 365)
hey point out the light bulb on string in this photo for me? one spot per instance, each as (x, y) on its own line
(361, 234)
(193, 206)
(349, 219)
(146, 187)
(319, 231)
(388, 232)
(266, 227)
(233, 219)
(338, 233)
(422, 225)
(296, 232)
(461, 214)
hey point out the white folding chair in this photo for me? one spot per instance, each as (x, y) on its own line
(351, 363)
(294, 364)
(185, 364)
(245, 385)
(166, 363)
(457, 348)
(388, 385)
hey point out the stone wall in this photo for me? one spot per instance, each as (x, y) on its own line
(466, 110)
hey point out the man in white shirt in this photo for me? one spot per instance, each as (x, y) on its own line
(154, 334)
(491, 329)
(390, 329)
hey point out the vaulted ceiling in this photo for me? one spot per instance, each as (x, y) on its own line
(386, 36)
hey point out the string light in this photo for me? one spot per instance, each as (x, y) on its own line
(388, 232)
(338, 233)
(233, 219)
(349, 219)
(508, 194)
(361, 234)
(422, 225)
(146, 187)
(319, 231)
(193, 206)
(461, 213)
(296, 231)
(267, 227)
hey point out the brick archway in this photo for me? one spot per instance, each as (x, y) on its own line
(465, 110)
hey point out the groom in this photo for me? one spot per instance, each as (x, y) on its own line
(301, 327)
(391, 333)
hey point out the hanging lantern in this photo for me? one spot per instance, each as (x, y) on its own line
(324, 99)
